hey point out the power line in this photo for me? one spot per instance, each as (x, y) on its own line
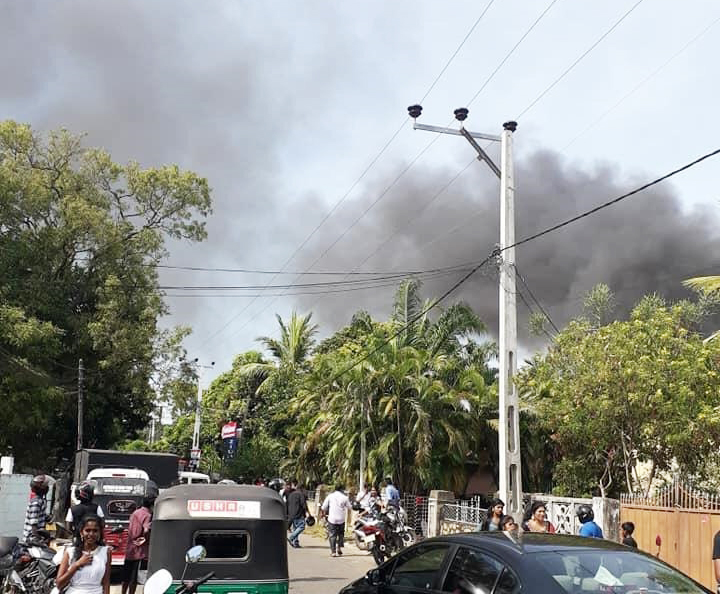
(511, 52)
(579, 59)
(531, 310)
(535, 300)
(354, 282)
(643, 82)
(352, 187)
(416, 317)
(287, 272)
(452, 180)
(609, 203)
(459, 47)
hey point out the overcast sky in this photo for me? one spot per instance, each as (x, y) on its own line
(283, 105)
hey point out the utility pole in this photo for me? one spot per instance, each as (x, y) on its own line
(363, 453)
(510, 484)
(80, 405)
(509, 405)
(195, 451)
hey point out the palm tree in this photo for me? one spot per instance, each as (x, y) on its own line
(291, 351)
(704, 284)
(420, 399)
(708, 285)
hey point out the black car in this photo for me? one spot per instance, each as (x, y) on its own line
(528, 563)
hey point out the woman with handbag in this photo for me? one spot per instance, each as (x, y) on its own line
(85, 566)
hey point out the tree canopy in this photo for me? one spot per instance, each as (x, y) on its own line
(617, 395)
(80, 236)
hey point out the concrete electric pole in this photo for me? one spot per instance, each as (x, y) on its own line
(510, 483)
(80, 406)
(195, 451)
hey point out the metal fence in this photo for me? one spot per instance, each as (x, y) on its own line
(416, 507)
(463, 516)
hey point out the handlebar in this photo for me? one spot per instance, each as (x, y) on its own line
(192, 586)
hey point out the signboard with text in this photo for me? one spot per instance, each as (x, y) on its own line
(220, 508)
(229, 430)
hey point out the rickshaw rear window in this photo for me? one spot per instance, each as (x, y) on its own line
(224, 544)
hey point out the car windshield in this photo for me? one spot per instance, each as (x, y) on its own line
(613, 572)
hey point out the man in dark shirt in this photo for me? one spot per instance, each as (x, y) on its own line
(297, 511)
(627, 539)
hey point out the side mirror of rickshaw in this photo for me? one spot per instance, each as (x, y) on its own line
(158, 582)
(195, 554)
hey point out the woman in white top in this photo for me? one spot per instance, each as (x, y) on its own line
(85, 567)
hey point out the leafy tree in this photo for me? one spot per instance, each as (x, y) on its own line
(79, 238)
(641, 390)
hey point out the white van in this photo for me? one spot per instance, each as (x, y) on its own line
(193, 478)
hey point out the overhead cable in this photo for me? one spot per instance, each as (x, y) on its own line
(498, 252)
(612, 202)
(355, 183)
(647, 79)
(579, 59)
(532, 296)
(510, 53)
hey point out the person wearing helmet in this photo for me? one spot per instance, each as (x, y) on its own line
(276, 484)
(586, 516)
(138, 547)
(84, 492)
(36, 513)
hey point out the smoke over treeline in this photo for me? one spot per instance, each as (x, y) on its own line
(646, 244)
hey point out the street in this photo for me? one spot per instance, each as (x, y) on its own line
(314, 571)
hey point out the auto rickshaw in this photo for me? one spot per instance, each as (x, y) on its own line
(242, 528)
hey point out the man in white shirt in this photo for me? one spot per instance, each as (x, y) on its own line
(335, 507)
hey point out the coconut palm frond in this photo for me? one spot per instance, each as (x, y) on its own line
(704, 284)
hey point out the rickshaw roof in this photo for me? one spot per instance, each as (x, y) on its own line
(221, 502)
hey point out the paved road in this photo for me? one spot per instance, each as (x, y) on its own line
(314, 571)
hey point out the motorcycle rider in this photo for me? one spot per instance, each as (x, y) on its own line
(586, 516)
(36, 513)
(368, 500)
(84, 492)
(392, 495)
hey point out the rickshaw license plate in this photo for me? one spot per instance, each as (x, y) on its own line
(370, 538)
(220, 508)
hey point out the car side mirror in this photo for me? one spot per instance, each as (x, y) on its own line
(373, 577)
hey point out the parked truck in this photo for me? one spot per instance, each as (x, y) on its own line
(120, 480)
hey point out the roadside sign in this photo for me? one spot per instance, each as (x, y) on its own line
(229, 429)
(195, 454)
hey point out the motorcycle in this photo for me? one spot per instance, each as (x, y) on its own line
(7, 563)
(363, 521)
(34, 571)
(400, 527)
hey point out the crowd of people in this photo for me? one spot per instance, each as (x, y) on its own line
(333, 509)
(535, 520)
(86, 563)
